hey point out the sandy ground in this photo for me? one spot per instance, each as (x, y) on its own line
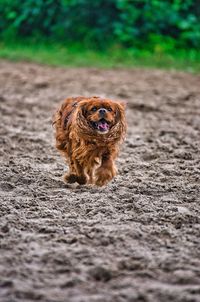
(137, 239)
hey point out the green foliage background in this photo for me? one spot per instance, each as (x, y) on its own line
(103, 23)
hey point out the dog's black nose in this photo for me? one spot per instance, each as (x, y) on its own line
(102, 111)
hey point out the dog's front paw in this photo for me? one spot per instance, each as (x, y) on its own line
(72, 178)
(104, 176)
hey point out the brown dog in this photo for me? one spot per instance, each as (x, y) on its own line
(88, 134)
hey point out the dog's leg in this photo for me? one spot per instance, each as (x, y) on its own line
(92, 165)
(106, 171)
(81, 176)
(69, 177)
(76, 174)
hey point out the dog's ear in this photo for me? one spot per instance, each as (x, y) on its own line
(120, 110)
(122, 104)
(120, 118)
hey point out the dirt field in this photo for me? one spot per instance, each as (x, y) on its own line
(137, 239)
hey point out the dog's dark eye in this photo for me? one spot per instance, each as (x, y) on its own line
(109, 109)
(94, 109)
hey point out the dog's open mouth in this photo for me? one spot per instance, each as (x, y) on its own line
(102, 125)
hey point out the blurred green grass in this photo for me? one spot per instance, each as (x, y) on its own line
(73, 55)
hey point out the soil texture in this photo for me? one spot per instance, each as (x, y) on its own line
(136, 239)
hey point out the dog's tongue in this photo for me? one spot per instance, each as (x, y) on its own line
(103, 126)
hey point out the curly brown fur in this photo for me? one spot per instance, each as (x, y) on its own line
(88, 134)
